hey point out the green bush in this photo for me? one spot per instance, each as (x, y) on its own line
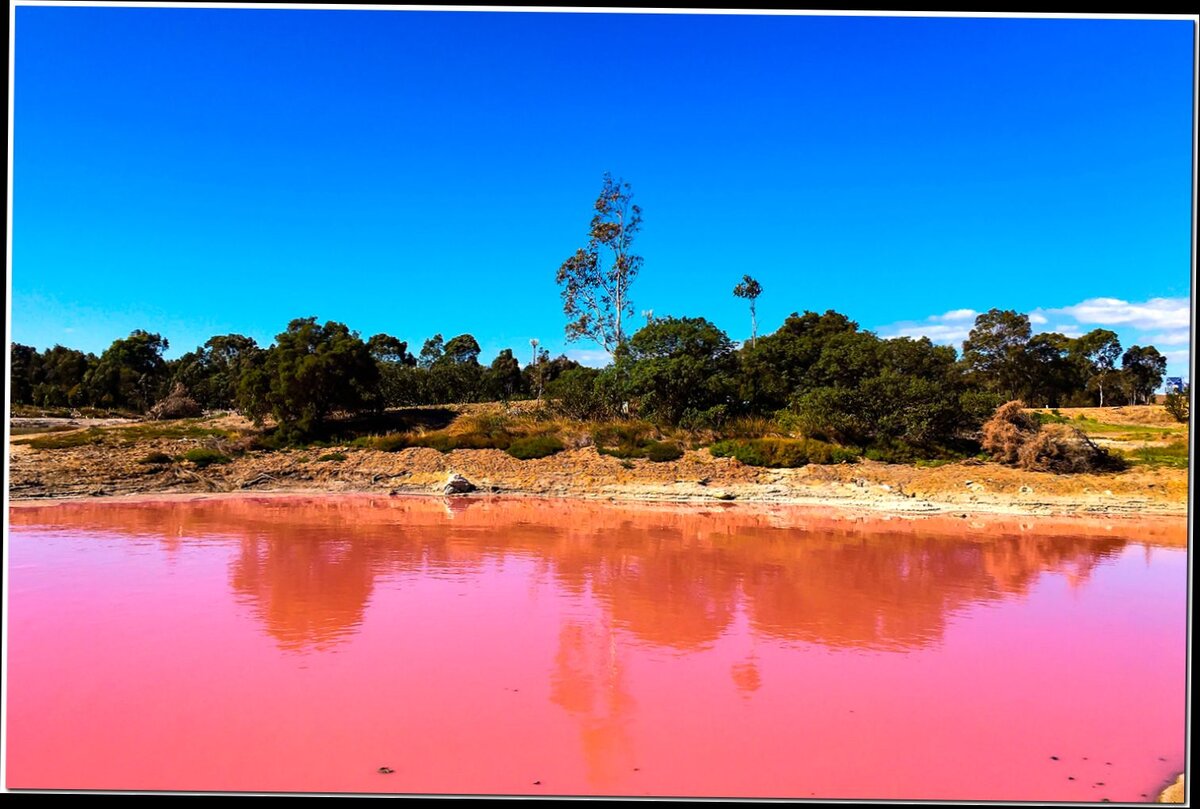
(156, 458)
(202, 457)
(782, 452)
(333, 456)
(536, 446)
(661, 451)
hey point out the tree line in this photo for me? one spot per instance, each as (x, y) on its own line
(817, 374)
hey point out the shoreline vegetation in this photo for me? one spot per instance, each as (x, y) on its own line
(520, 448)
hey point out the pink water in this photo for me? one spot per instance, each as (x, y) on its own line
(542, 647)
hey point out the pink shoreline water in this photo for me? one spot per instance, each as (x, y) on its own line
(300, 644)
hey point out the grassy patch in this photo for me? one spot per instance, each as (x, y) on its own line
(333, 456)
(534, 446)
(782, 452)
(1173, 455)
(202, 457)
(80, 438)
(183, 428)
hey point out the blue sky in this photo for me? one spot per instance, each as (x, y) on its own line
(205, 171)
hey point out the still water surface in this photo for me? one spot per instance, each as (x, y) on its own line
(547, 647)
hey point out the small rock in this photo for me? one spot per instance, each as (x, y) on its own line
(1026, 490)
(457, 484)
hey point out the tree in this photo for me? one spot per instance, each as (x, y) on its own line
(24, 372)
(995, 353)
(211, 373)
(749, 289)
(62, 373)
(130, 373)
(504, 376)
(1052, 375)
(389, 349)
(1099, 349)
(1144, 369)
(431, 351)
(312, 372)
(463, 349)
(785, 361)
(1178, 403)
(543, 370)
(679, 364)
(596, 291)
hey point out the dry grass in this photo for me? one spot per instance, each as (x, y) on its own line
(1137, 415)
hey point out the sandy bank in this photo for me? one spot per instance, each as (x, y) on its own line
(1173, 793)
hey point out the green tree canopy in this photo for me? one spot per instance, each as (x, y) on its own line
(995, 351)
(312, 372)
(1144, 369)
(782, 363)
(386, 348)
(212, 372)
(678, 364)
(130, 373)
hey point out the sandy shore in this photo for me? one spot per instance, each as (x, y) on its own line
(1173, 793)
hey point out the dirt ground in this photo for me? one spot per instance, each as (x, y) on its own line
(115, 466)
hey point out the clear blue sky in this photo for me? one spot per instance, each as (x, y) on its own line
(202, 171)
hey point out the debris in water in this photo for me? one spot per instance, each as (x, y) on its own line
(386, 770)
(537, 783)
(1054, 758)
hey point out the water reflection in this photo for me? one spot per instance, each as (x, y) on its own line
(672, 578)
(597, 610)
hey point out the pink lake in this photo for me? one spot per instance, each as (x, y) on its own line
(541, 647)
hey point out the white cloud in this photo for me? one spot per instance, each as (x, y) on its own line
(593, 358)
(952, 327)
(1174, 337)
(1156, 313)
(1162, 322)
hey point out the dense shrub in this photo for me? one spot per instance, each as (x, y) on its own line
(535, 446)
(782, 452)
(662, 451)
(624, 439)
(202, 457)
(585, 394)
